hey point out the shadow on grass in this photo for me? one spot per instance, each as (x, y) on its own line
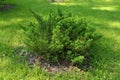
(106, 59)
(6, 50)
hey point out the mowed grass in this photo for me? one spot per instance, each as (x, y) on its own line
(104, 15)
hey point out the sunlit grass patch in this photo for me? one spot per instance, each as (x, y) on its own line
(69, 4)
(114, 24)
(11, 21)
(102, 1)
(107, 8)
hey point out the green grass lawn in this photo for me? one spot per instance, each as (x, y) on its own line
(104, 15)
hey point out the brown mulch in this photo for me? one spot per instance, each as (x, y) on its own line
(47, 66)
(62, 66)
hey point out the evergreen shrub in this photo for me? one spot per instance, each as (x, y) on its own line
(60, 37)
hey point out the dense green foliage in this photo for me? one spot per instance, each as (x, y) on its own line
(60, 37)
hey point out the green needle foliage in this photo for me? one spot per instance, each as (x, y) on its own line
(60, 37)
